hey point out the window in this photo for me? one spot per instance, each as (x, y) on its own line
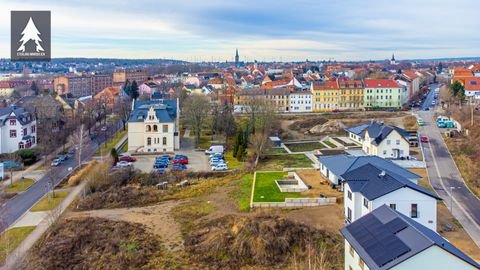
(33, 129)
(13, 133)
(349, 195)
(13, 122)
(393, 206)
(352, 252)
(349, 215)
(149, 141)
(155, 128)
(165, 128)
(25, 132)
(365, 202)
(398, 142)
(164, 141)
(388, 142)
(361, 263)
(414, 211)
(21, 145)
(149, 128)
(384, 152)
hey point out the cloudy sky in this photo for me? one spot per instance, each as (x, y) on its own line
(204, 30)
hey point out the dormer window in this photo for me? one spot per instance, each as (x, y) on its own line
(13, 122)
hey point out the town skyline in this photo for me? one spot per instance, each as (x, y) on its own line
(267, 31)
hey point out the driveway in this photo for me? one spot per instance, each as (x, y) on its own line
(445, 178)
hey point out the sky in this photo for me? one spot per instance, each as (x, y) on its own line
(263, 30)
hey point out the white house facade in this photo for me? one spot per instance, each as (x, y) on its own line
(153, 126)
(301, 101)
(18, 129)
(385, 239)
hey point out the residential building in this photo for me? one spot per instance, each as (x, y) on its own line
(384, 94)
(153, 126)
(387, 239)
(279, 99)
(18, 129)
(351, 95)
(121, 75)
(325, 96)
(108, 97)
(381, 140)
(81, 85)
(333, 167)
(472, 88)
(367, 187)
(413, 82)
(301, 101)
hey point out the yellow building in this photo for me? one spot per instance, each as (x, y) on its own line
(325, 96)
(351, 95)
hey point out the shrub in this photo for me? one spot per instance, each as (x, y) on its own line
(28, 156)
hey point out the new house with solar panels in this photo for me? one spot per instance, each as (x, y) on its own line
(153, 126)
(332, 167)
(368, 187)
(381, 140)
(387, 239)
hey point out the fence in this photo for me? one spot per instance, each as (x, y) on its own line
(297, 202)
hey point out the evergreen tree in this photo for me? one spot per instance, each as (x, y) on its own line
(127, 87)
(134, 90)
(34, 88)
(114, 155)
(457, 89)
(238, 141)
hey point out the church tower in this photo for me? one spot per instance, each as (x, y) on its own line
(392, 61)
(237, 58)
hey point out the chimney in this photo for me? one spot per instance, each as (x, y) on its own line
(382, 174)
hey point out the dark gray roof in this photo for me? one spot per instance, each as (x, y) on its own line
(165, 110)
(373, 182)
(376, 130)
(340, 164)
(22, 115)
(384, 238)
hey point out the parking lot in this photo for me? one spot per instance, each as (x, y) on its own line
(197, 161)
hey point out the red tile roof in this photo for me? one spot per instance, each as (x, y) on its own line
(328, 85)
(472, 84)
(380, 83)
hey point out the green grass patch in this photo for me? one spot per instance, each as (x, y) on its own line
(123, 148)
(277, 151)
(49, 203)
(266, 189)
(232, 162)
(305, 146)
(20, 185)
(330, 144)
(11, 239)
(106, 147)
(243, 191)
(278, 162)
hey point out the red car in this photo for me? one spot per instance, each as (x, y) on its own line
(182, 161)
(127, 159)
(424, 139)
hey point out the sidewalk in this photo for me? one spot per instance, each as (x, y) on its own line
(44, 221)
(30, 172)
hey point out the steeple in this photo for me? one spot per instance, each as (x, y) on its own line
(392, 61)
(393, 57)
(237, 58)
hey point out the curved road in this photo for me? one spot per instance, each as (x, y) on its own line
(445, 178)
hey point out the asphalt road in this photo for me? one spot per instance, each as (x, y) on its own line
(444, 176)
(14, 208)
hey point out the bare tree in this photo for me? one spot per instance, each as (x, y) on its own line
(195, 111)
(77, 139)
(123, 108)
(259, 144)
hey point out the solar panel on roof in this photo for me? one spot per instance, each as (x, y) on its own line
(395, 225)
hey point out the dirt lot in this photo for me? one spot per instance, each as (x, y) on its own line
(319, 184)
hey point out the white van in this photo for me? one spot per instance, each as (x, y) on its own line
(214, 149)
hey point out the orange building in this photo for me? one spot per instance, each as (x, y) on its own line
(109, 97)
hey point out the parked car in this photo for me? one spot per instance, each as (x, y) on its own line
(164, 157)
(160, 165)
(56, 162)
(177, 156)
(215, 155)
(62, 157)
(426, 109)
(180, 161)
(220, 167)
(104, 128)
(127, 158)
(214, 149)
(424, 139)
(214, 162)
(124, 164)
(420, 122)
(162, 160)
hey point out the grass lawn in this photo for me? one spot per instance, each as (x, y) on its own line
(278, 162)
(243, 192)
(232, 162)
(204, 142)
(11, 239)
(105, 148)
(330, 144)
(277, 151)
(124, 148)
(17, 186)
(266, 189)
(306, 146)
(48, 203)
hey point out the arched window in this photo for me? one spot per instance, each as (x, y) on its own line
(149, 128)
(155, 128)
